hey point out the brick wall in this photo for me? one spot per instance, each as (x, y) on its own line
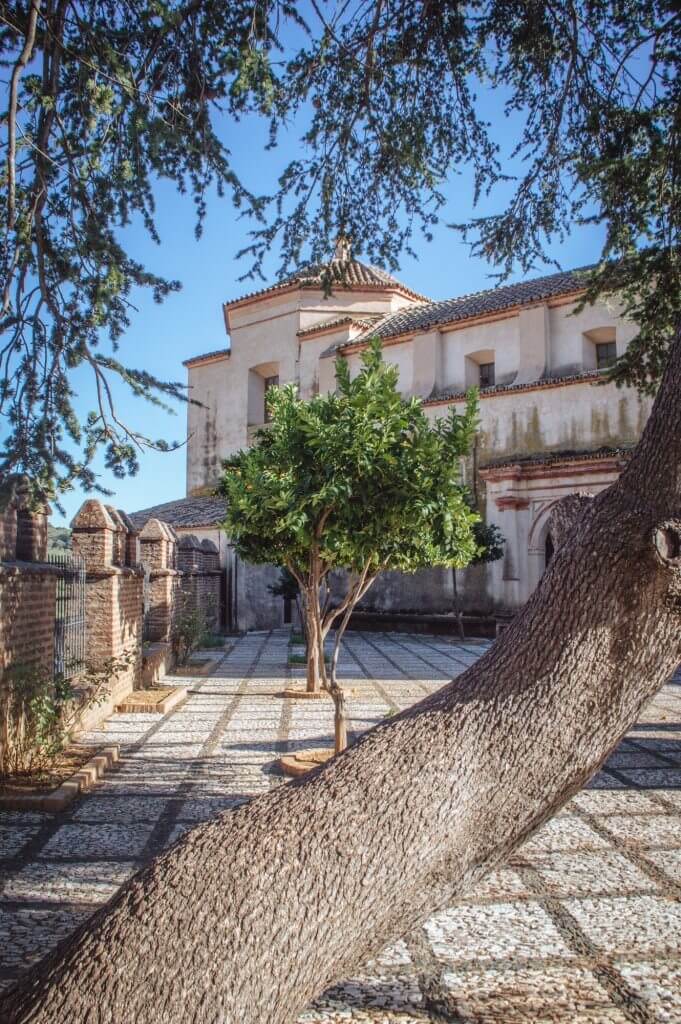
(114, 602)
(183, 575)
(27, 614)
(27, 588)
(8, 534)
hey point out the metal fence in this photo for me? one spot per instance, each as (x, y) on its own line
(70, 626)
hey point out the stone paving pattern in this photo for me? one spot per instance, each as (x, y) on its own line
(583, 925)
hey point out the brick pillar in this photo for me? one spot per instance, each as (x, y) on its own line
(158, 555)
(31, 535)
(14, 494)
(113, 597)
(132, 544)
(211, 586)
(8, 533)
(27, 613)
(189, 554)
(92, 536)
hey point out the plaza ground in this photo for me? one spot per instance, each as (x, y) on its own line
(582, 926)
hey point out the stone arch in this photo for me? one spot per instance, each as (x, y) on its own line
(539, 541)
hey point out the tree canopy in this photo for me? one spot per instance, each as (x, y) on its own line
(105, 98)
(359, 475)
(358, 480)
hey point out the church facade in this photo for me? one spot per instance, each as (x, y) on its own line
(550, 421)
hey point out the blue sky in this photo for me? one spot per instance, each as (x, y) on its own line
(190, 322)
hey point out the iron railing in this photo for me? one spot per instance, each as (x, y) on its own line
(70, 624)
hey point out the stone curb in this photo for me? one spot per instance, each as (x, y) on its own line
(196, 670)
(80, 782)
(291, 693)
(161, 707)
(299, 764)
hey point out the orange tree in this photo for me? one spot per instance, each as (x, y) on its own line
(360, 480)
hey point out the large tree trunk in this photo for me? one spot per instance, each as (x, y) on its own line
(257, 912)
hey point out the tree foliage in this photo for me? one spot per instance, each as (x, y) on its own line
(359, 475)
(490, 541)
(398, 94)
(358, 480)
(105, 98)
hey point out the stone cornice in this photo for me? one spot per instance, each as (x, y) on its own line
(586, 465)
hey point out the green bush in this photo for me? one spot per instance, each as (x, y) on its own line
(39, 712)
(190, 630)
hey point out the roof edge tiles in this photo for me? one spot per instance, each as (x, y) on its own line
(605, 452)
(589, 376)
(343, 274)
(191, 512)
(425, 316)
(365, 322)
(209, 357)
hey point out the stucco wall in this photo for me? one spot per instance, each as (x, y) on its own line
(572, 416)
(399, 355)
(499, 338)
(209, 424)
(566, 334)
(264, 338)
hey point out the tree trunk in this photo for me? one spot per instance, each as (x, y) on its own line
(260, 910)
(302, 622)
(340, 725)
(312, 651)
(340, 716)
(457, 607)
(332, 684)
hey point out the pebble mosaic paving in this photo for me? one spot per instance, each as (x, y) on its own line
(583, 926)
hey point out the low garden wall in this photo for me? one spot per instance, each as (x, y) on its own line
(82, 616)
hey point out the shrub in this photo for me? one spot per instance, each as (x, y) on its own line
(38, 712)
(190, 630)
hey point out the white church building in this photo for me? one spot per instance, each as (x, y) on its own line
(550, 421)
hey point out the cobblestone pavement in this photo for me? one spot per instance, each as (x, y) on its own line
(582, 926)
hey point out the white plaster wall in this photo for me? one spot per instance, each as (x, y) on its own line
(399, 355)
(256, 607)
(263, 331)
(309, 365)
(210, 423)
(342, 302)
(220, 429)
(500, 336)
(512, 579)
(584, 415)
(566, 331)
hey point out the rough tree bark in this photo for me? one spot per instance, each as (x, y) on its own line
(258, 911)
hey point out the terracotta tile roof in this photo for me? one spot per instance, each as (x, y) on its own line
(207, 355)
(199, 511)
(450, 395)
(566, 455)
(343, 273)
(324, 325)
(426, 315)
